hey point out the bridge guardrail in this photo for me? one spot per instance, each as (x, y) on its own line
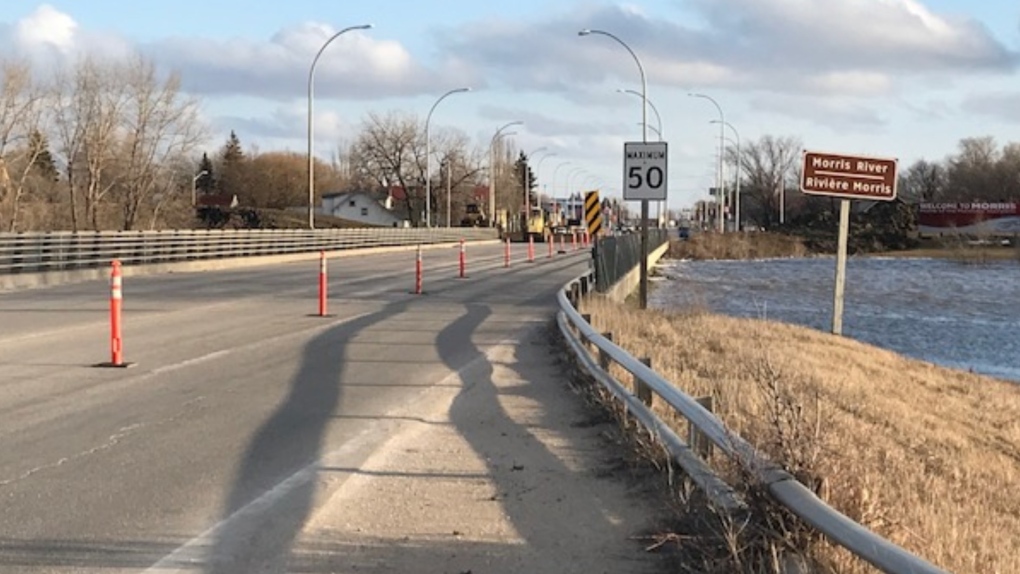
(781, 485)
(40, 252)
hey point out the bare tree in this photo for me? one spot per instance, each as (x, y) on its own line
(390, 152)
(972, 170)
(768, 165)
(923, 181)
(21, 117)
(90, 104)
(159, 129)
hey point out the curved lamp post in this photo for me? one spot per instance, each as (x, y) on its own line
(658, 118)
(492, 170)
(194, 187)
(311, 86)
(738, 170)
(643, 285)
(527, 179)
(428, 155)
(720, 175)
(538, 167)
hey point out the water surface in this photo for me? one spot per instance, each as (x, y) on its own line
(941, 311)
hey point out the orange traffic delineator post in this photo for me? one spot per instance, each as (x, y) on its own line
(531, 248)
(116, 323)
(506, 252)
(552, 241)
(563, 243)
(573, 240)
(462, 261)
(323, 284)
(418, 280)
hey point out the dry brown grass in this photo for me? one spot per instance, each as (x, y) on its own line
(926, 456)
(737, 246)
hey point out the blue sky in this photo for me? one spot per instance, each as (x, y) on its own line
(898, 78)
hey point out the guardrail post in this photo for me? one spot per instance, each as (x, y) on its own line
(698, 442)
(575, 294)
(584, 285)
(643, 391)
(604, 358)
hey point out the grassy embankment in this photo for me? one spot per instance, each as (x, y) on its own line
(926, 456)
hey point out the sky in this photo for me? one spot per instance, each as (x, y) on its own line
(905, 79)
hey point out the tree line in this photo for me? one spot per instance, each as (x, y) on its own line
(979, 170)
(103, 144)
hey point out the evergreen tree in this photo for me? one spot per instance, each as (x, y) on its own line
(206, 181)
(522, 168)
(44, 163)
(231, 167)
(231, 152)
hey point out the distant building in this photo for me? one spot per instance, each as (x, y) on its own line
(364, 207)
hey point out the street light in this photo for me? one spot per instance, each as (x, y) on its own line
(527, 181)
(643, 285)
(311, 85)
(656, 130)
(428, 155)
(739, 166)
(658, 118)
(194, 181)
(570, 178)
(538, 167)
(720, 175)
(492, 170)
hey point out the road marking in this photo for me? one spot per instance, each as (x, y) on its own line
(204, 358)
(192, 554)
(106, 445)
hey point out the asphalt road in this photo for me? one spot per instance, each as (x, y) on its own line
(238, 392)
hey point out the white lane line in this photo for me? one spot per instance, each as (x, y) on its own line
(190, 362)
(192, 555)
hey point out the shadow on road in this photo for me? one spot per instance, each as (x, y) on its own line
(256, 539)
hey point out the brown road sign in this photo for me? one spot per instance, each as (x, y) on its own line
(849, 176)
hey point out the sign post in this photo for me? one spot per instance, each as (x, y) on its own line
(644, 180)
(592, 215)
(846, 177)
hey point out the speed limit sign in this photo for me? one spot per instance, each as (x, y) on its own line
(644, 171)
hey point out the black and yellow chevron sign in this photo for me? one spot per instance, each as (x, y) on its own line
(593, 212)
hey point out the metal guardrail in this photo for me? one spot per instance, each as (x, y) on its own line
(62, 251)
(615, 256)
(784, 488)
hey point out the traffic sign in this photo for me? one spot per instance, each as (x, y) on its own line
(644, 171)
(593, 212)
(849, 176)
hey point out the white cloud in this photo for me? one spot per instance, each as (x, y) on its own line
(354, 66)
(46, 27)
(785, 45)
